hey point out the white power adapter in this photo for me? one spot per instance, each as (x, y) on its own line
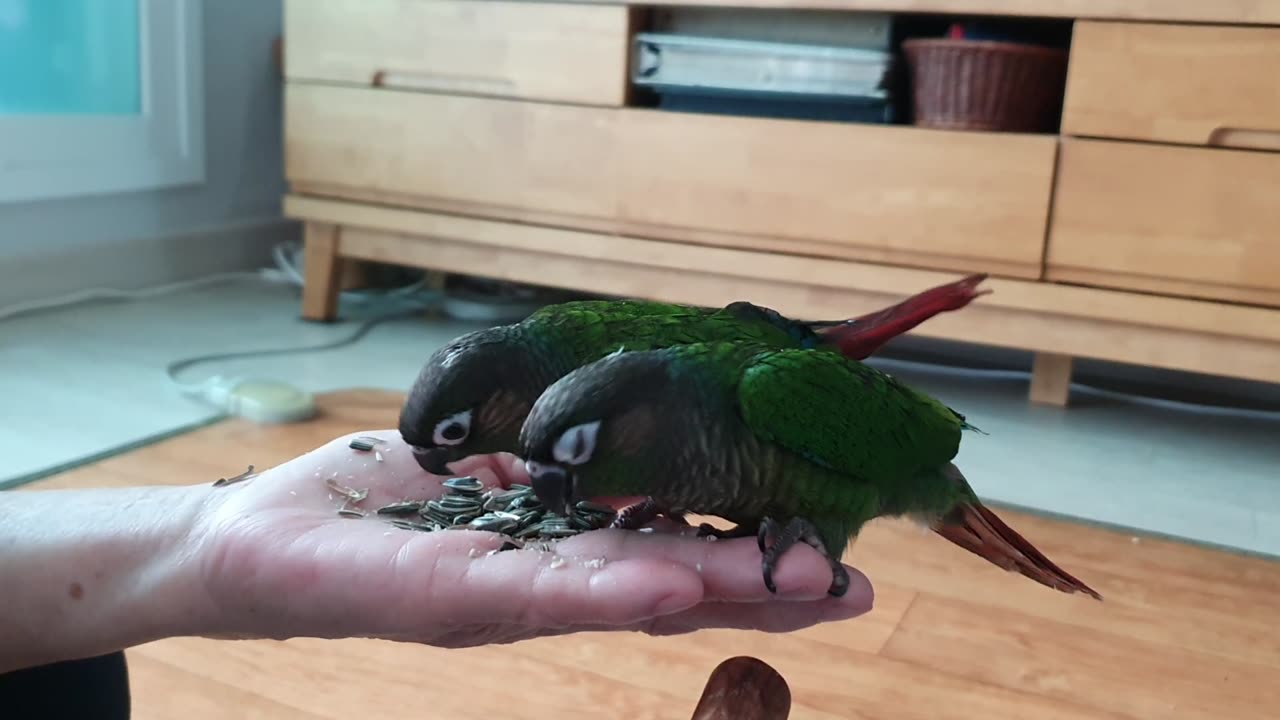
(268, 402)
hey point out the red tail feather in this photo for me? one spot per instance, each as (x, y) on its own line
(863, 336)
(979, 531)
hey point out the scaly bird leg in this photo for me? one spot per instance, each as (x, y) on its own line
(634, 517)
(798, 530)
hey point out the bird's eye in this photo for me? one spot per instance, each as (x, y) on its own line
(453, 429)
(576, 445)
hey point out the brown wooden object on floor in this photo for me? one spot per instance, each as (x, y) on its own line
(744, 688)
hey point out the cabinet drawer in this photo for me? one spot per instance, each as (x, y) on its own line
(547, 51)
(451, 151)
(952, 201)
(1168, 219)
(947, 200)
(1200, 85)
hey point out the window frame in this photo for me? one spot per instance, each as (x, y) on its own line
(57, 156)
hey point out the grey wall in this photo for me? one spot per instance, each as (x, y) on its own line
(230, 221)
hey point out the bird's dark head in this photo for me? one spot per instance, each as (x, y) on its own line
(470, 398)
(597, 431)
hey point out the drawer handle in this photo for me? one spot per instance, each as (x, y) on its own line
(1245, 138)
(412, 80)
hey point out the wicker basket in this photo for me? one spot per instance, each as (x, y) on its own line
(986, 85)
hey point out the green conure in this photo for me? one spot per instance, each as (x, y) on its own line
(473, 394)
(801, 445)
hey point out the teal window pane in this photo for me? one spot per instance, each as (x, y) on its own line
(61, 57)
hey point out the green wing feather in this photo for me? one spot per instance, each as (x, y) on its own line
(590, 329)
(847, 416)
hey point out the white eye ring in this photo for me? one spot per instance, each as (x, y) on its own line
(577, 444)
(450, 425)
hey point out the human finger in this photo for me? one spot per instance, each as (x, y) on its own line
(464, 578)
(730, 569)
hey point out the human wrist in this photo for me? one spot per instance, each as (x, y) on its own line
(88, 572)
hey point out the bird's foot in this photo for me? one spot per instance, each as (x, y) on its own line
(797, 530)
(634, 517)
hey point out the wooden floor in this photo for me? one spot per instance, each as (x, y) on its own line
(1184, 632)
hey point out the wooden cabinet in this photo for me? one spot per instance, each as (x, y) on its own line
(1176, 220)
(500, 138)
(1192, 84)
(534, 50)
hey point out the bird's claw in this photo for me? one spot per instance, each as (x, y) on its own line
(797, 530)
(634, 517)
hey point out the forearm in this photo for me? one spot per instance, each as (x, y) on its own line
(85, 572)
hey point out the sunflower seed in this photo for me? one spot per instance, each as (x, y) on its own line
(465, 485)
(246, 475)
(350, 512)
(406, 507)
(406, 525)
(355, 495)
(514, 512)
(531, 531)
(492, 523)
(595, 508)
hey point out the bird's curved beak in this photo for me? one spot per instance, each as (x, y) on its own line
(434, 460)
(553, 485)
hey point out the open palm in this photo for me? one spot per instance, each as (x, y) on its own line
(278, 559)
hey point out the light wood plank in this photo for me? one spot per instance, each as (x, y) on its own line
(964, 640)
(1160, 593)
(407, 227)
(1174, 83)
(791, 247)
(979, 196)
(1081, 666)
(533, 50)
(555, 158)
(164, 691)
(1260, 12)
(322, 269)
(1151, 217)
(787, 186)
(1051, 379)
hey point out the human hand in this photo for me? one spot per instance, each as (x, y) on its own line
(277, 561)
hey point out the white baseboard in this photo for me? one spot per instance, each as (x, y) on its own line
(144, 262)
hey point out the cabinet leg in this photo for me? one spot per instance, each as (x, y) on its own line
(1051, 379)
(322, 273)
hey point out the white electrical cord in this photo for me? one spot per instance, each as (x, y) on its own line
(263, 400)
(81, 296)
(276, 402)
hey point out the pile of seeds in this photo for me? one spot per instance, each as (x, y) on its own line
(516, 513)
